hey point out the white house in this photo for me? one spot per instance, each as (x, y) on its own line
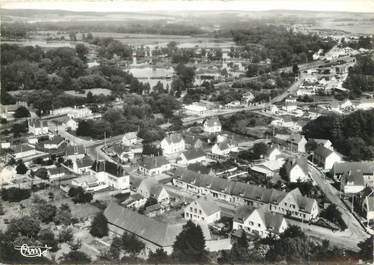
(369, 201)
(294, 142)
(192, 156)
(82, 165)
(7, 174)
(154, 165)
(38, 127)
(195, 108)
(76, 112)
(212, 125)
(202, 210)
(326, 157)
(89, 183)
(273, 153)
(172, 144)
(130, 139)
(259, 221)
(53, 143)
(71, 124)
(297, 169)
(149, 187)
(112, 174)
(223, 148)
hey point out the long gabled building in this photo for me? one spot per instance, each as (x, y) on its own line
(287, 203)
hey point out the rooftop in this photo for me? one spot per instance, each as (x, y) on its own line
(153, 162)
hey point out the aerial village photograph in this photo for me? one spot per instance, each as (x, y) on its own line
(185, 131)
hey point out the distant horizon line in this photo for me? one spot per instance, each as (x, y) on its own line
(190, 11)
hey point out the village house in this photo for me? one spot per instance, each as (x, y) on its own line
(224, 148)
(38, 127)
(323, 142)
(89, 183)
(192, 156)
(273, 153)
(248, 97)
(195, 108)
(53, 143)
(172, 144)
(154, 165)
(369, 201)
(292, 203)
(267, 169)
(366, 167)
(56, 173)
(297, 169)
(82, 165)
(22, 150)
(155, 234)
(352, 182)
(134, 201)
(124, 152)
(193, 142)
(202, 210)
(131, 138)
(74, 152)
(7, 175)
(259, 221)
(290, 104)
(111, 174)
(70, 124)
(150, 187)
(325, 157)
(294, 142)
(75, 113)
(212, 125)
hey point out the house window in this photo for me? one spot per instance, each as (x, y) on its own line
(190, 209)
(258, 225)
(187, 215)
(202, 218)
(195, 210)
(199, 211)
(250, 223)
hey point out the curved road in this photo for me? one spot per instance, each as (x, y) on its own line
(357, 231)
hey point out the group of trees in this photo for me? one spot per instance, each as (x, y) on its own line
(283, 47)
(361, 76)
(292, 246)
(352, 135)
(79, 195)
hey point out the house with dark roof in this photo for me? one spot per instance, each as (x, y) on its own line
(74, 152)
(324, 142)
(150, 187)
(38, 127)
(202, 210)
(21, 151)
(366, 167)
(193, 142)
(259, 221)
(294, 142)
(172, 144)
(53, 143)
(114, 175)
(212, 125)
(192, 156)
(296, 169)
(155, 234)
(81, 165)
(292, 203)
(326, 157)
(353, 181)
(153, 165)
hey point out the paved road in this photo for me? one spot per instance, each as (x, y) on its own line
(357, 232)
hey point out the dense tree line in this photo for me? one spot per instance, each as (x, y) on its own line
(361, 76)
(281, 46)
(352, 135)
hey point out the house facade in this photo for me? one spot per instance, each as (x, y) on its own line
(38, 127)
(259, 221)
(172, 144)
(154, 165)
(212, 125)
(202, 210)
(111, 174)
(326, 158)
(291, 203)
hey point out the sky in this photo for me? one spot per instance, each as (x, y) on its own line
(191, 5)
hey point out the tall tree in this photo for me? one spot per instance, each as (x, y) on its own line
(99, 226)
(189, 245)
